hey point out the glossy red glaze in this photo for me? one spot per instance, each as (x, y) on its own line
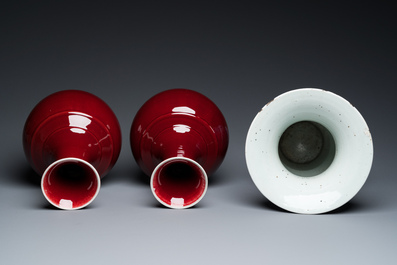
(179, 182)
(179, 123)
(71, 124)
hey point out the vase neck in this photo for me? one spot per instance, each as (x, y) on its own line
(72, 143)
(179, 141)
(72, 134)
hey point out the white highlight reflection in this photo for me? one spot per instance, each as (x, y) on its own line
(184, 109)
(181, 128)
(79, 121)
(77, 130)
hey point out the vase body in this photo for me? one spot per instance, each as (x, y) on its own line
(72, 138)
(309, 151)
(179, 137)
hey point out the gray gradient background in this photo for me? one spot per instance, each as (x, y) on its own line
(241, 55)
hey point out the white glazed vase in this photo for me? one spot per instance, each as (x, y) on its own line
(309, 151)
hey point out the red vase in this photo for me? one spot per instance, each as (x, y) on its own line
(178, 137)
(72, 138)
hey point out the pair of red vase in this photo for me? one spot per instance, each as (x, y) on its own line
(72, 139)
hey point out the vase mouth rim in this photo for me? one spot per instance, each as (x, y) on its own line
(67, 204)
(178, 203)
(329, 187)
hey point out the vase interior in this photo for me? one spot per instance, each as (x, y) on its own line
(70, 183)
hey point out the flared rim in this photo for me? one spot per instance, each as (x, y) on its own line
(317, 189)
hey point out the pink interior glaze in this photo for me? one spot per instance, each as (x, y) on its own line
(70, 183)
(179, 182)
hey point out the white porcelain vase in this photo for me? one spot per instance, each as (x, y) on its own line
(309, 151)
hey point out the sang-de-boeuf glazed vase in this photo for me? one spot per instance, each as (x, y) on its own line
(72, 139)
(178, 137)
(309, 151)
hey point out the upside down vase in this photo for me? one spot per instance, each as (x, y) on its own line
(72, 139)
(309, 151)
(178, 138)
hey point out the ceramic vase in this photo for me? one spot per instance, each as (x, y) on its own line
(178, 138)
(309, 151)
(72, 139)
